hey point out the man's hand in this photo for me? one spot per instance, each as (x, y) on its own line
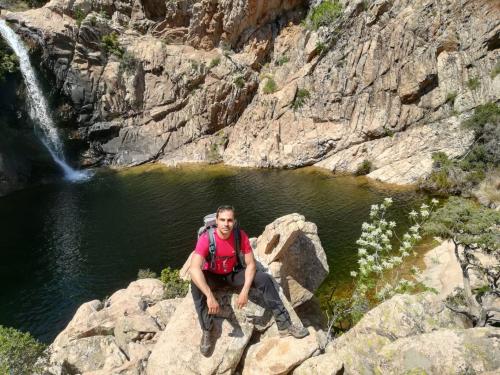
(242, 299)
(213, 305)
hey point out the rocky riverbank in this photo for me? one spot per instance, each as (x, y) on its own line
(247, 84)
(137, 331)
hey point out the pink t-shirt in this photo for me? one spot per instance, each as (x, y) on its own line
(225, 253)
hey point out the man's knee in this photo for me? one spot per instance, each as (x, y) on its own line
(262, 279)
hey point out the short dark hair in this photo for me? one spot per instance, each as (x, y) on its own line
(223, 208)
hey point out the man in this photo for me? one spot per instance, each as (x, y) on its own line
(205, 276)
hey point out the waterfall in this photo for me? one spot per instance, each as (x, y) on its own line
(38, 105)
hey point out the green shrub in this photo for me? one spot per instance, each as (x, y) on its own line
(20, 353)
(320, 47)
(111, 44)
(464, 174)
(146, 274)
(174, 285)
(128, 63)
(300, 98)
(364, 168)
(495, 71)
(214, 62)
(270, 86)
(282, 60)
(239, 81)
(79, 16)
(473, 83)
(9, 62)
(450, 98)
(324, 14)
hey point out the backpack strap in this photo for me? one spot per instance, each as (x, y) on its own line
(211, 247)
(237, 246)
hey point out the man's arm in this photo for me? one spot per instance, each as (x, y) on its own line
(249, 275)
(198, 278)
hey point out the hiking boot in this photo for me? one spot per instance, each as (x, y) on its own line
(205, 343)
(295, 331)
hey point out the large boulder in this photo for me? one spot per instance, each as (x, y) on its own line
(274, 355)
(291, 250)
(403, 316)
(445, 351)
(177, 350)
(116, 334)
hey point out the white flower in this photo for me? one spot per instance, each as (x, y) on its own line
(404, 254)
(413, 213)
(361, 251)
(424, 206)
(383, 223)
(361, 242)
(388, 233)
(370, 258)
(392, 224)
(407, 236)
(365, 226)
(362, 261)
(424, 213)
(406, 245)
(415, 228)
(388, 201)
(374, 207)
(434, 201)
(354, 273)
(377, 268)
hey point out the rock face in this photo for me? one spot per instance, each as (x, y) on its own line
(409, 334)
(244, 83)
(292, 251)
(136, 331)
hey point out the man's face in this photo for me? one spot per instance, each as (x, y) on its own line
(225, 223)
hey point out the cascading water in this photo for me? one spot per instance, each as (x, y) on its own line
(38, 105)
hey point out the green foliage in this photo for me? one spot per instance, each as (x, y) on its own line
(474, 232)
(239, 81)
(462, 175)
(495, 71)
(9, 63)
(320, 47)
(128, 63)
(364, 168)
(450, 98)
(282, 60)
(300, 98)
(37, 3)
(20, 353)
(111, 44)
(79, 16)
(466, 223)
(324, 14)
(473, 83)
(174, 285)
(270, 86)
(146, 274)
(214, 62)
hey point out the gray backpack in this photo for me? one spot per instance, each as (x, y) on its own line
(209, 226)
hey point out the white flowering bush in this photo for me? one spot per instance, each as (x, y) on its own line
(381, 252)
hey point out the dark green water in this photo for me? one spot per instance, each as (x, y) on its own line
(64, 244)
